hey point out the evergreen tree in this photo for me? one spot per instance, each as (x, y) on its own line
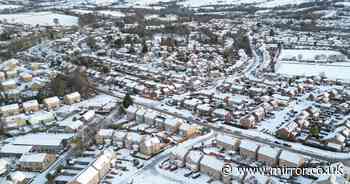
(144, 47)
(127, 101)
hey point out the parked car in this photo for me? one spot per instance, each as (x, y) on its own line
(173, 168)
(196, 175)
(188, 174)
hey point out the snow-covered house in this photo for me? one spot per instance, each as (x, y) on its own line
(150, 116)
(52, 102)
(3, 166)
(9, 110)
(104, 134)
(10, 150)
(140, 116)
(2, 76)
(179, 156)
(150, 145)
(268, 155)
(193, 159)
(88, 116)
(104, 162)
(247, 121)
(8, 85)
(18, 177)
(248, 149)
(227, 142)
(131, 112)
(119, 138)
(289, 159)
(204, 109)
(133, 141)
(36, 161)
(88, 176)
(212, 167)
(30, 106)
(72, 98)
(26, 77)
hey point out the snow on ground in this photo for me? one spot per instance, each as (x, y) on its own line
(276, 3)
(146, 2)
(165, 18)
(41, 18)
(82, 12)
(273, 123)
(343, 3)
(4, 6)
(259, 3)
(306, 54)
(112, 13)
(339, 71)
(97, 101)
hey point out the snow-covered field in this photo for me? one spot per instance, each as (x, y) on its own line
(301, 54)
(196, 3)
(4, 6)
(313, 63)
(332, 71)
(276, 3)
(112, 13)
(82, 12)
(41, 18)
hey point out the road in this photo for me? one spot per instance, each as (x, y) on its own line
(345, 158)
(41, 178)
(250, 72)
(94, 125)
(150, 167)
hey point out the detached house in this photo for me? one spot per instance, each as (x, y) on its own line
(36, 161)
(150, 145)
(30, 106)
(248, 149)
(289, 159)
(268, 155)
(247, 122)
(2, 76)
(52, 102)
(72, 98)
(8, 85)
(9, 110)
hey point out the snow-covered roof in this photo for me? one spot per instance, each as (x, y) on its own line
(33, 157)
(268, 151)
(204, 107)
(226, 139)
(86, 176)
(10, 107)
(10, 82)
(50, 100)
(15, 149)
(41, 139)
(31, 103)
(119, 135)
(88, 115)
(73, 95)
(3, 166)
(41, 116)
(134, 137)
(248, 145)
(18, 176)
(106, 132)
(132, 109)
(212, 162)
(290, 157)
(74, 125)
(150, 141)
